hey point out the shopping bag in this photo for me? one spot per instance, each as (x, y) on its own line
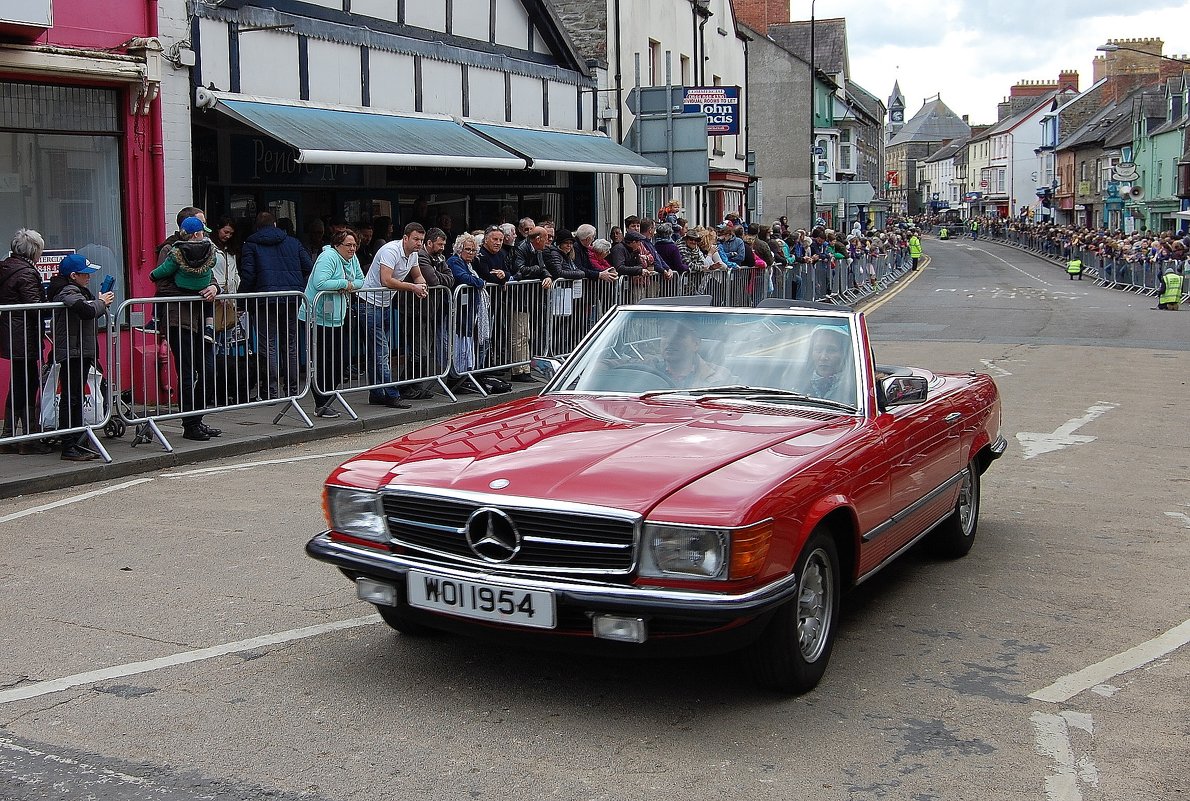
(51, 393)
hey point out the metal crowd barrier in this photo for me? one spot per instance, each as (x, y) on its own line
(43, 379)
(191, 357)
(377, 340)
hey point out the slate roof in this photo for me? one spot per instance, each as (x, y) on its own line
(830, 42)
(947, 151)
(1008, 123)
(866, 101)
(1096, 128)
(933, 122)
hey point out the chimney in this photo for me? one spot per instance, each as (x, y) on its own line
(1068, 80)
(760, 14)
(1003, 110)
(1098, 69)
(966, 119)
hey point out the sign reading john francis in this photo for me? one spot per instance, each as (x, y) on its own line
(721, 104)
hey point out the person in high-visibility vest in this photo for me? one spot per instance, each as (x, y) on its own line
(1170, 287)
(975, 229)
(1075, 267)
(914, 248)
(944, 232)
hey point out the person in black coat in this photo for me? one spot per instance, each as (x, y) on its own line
(20, 339)
(76, 345)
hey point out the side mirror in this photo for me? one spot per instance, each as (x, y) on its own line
(904, 390)
(543, 368)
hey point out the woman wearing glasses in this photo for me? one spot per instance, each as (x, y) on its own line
(336, 273)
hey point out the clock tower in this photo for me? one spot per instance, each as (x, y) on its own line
(896, 112)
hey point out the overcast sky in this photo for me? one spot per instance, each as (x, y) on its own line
(972, 51)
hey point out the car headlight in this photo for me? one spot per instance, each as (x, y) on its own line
(674, 550)
(357, 513)
(671, 551)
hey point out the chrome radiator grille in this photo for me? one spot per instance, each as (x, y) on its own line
(556, 539)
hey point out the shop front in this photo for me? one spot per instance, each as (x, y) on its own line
(307, 164)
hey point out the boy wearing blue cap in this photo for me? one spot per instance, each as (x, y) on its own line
(76, 344)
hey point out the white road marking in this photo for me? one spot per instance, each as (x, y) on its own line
(227, 468)
(1185, 518)
(1052, 735)
(1071, 685)
(73, 499)
(994, 369)
(1035, 444)
(1013, 266)
(133, 668)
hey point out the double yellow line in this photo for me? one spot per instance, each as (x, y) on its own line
(913, 275)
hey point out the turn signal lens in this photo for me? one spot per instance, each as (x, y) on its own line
(750, 549)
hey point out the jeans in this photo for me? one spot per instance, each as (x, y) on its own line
(377, 324)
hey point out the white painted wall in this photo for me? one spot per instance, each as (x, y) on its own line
(176, 102)
(337, 80)
(442, 87)
(380, 9)
(563, 106)
(422, 14)
(526, 100)
(512, 24)
(468, 22)
(487, 94)
(215, 62)
(268, 64)
(392, 84)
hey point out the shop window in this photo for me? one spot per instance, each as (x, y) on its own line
(449, 211)
(61, 180)
(358, 209)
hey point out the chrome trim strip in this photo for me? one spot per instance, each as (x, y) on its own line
(619, 546)
(513, 502)
(888, 560)
(423, 524)
(460, 559)
(754, 601)
(912, 508)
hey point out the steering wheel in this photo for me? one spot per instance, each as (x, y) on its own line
(644, 369)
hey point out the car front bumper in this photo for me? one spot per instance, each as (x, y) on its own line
(593, 596)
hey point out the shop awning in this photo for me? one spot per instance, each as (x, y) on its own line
(324, 135)
(342, 136)
(568, 152)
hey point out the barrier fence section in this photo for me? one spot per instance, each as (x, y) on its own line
(378, 340)
(1134, 271)
(188, 357)
(57, 379)
(180, 358)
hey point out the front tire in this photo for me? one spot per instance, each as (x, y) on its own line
(792, 653)
(955, 536)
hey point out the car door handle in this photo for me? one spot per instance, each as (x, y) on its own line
(953, 418)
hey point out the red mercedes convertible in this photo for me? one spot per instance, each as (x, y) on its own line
(691, 477)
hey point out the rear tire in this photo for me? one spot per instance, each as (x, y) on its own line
(956, 534)
(402, 625)
(792, 653)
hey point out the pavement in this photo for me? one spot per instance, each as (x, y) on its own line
(245, 431)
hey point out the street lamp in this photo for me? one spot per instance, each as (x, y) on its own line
(813, 98)
(1111, 48)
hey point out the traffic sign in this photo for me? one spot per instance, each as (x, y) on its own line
(983, 184)
(819, 150)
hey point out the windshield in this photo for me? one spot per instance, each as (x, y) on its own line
(785, 357)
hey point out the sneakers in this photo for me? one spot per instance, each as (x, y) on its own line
(208, 333)
(327, 412)
(73, 453)
(391, 402)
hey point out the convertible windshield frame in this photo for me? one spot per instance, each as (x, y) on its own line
(562, 383)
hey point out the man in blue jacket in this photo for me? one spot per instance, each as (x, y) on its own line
(273, 261)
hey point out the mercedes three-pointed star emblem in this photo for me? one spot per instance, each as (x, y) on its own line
(492, 536)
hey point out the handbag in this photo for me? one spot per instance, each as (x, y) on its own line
(226, 314)
(94, 401)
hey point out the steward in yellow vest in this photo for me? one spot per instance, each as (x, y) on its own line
(1075, 267)
(1170, 298)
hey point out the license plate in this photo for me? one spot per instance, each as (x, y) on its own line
(481, 600)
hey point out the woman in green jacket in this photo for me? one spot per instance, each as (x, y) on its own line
(336, 273)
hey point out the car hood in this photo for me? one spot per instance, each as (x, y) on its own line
(612, 451)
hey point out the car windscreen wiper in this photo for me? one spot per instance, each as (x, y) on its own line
(752, 393)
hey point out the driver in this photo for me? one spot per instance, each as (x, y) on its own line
(681, 363)
(828, 359)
